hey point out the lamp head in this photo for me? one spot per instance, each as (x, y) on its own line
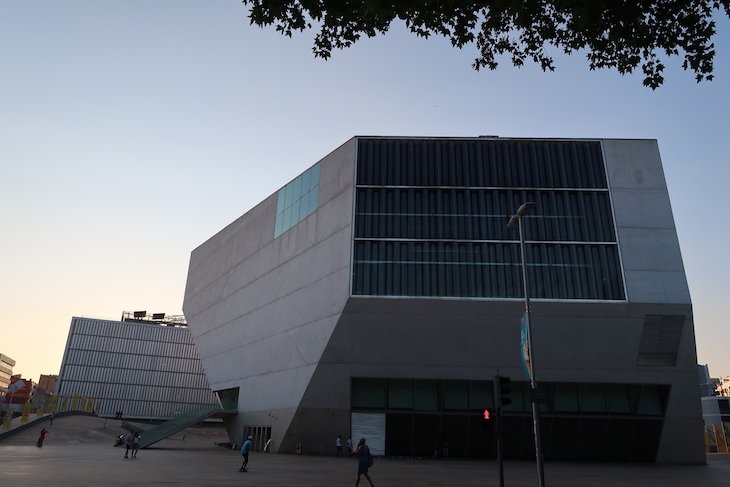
(524, 209)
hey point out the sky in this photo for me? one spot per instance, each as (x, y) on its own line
(131, 132)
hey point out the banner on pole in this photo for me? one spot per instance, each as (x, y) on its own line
(525, 346)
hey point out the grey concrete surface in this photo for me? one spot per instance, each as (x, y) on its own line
(79, 451)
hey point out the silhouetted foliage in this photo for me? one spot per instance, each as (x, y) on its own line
(614, 34)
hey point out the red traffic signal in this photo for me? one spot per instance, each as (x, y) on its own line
(486, 415)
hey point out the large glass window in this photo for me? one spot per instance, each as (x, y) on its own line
(431, 215)
(561, 398)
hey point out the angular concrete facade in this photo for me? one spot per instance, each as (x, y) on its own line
(281, 319)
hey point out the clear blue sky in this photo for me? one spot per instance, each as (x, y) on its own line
(131, 132)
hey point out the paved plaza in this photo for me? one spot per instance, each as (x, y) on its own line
(79, 451)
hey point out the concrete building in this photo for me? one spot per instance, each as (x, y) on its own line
(47, 382)
(6, 371)
(722, 387)
(144, 368)
(380, 292)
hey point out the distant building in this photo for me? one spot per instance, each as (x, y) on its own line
(382, 291)
(18, 393)
(708, 385)
(143, 367)
(716, 416)
(6, 371)
(47, 383)
(723, 387)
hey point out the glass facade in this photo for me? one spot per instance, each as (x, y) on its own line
(431, 216)
(143, 370)
(297, 200)
(579, 420)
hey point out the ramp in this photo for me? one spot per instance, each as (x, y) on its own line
(169, 428)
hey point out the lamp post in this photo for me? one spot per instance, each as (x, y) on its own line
(516, 222)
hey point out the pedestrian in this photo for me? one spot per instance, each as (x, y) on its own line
(42, 437)
(364, 461)
(245, 448)
(128, 442)
(53, 415)
(349, 446)
(135, 444)
(338, 446)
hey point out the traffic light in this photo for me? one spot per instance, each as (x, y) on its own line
(502, 391)
(487, 420)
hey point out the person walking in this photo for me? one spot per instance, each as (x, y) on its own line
(128, 442)
(135, 444)
(349, 446)
(245, 448)
(364, 462)
(41, 438)
(338, 446)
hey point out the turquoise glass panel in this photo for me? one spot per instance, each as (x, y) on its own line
(400, 394)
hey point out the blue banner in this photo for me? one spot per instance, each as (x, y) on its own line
(525, 346)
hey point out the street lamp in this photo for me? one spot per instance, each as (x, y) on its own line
(516, 222)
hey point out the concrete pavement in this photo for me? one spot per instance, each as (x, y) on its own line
(82, 454)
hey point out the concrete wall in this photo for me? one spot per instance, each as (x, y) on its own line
(654, 272)
(474, 340)
(648, 241)
(261, 310)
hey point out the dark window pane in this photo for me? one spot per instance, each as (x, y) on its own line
(368, 393)
(619, 400)
(651, 401)
(400, 394)
(481, 396)
(566, 398)
(426, 395)
(594, 399)
(456, 395)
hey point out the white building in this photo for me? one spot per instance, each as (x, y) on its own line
(6, 371)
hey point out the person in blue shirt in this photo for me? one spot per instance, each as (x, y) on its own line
(245, 448)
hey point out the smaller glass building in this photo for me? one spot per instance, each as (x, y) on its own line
(145, 370)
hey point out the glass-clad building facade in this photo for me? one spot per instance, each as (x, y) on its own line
(430, 220)
(579, 421)
(140, 369)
